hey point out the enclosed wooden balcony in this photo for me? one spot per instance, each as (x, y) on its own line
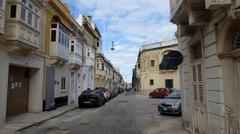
(20, 36)
(75, 61)
(59, 44)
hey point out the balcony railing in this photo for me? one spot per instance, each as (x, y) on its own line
(232, 122)
(21, 35)
(74, 58)
(58, 51)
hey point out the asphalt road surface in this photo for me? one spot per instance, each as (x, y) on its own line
(125, 114)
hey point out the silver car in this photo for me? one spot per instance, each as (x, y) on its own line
(171, 104)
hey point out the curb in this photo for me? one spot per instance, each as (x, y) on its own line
(42, 121)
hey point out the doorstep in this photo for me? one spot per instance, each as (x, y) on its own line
(26, 120)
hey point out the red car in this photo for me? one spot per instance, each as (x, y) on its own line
(160, 93)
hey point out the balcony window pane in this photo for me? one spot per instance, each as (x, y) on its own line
(30, 5)
(29, 18)
(13, 11)
(60, 37)
(36, 22)
(53, 35)
(23, 13)
(1, 3)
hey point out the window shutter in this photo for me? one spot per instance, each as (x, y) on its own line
(195, 94)
(200, 83)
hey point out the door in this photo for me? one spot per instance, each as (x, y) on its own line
(49, 94)
(72, 88)
(18, 90)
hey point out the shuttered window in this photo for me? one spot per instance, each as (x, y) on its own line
(198, 88)
(195, 90)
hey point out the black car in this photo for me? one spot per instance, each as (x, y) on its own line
(171, 104)
(91, 98)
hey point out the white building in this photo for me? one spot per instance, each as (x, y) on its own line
(22, 62)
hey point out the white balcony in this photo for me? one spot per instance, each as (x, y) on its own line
(58, 52)
(214, 4)
(21, 36)
(75, 61)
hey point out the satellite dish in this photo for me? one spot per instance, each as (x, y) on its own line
(112, 46)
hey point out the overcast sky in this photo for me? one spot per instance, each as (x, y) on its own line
(129, 23)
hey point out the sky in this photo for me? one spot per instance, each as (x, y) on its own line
(129, 23)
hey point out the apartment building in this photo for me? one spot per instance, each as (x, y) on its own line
(208, 38)
(92, 42)
(104, 72)
(21, 56)
(148, 73)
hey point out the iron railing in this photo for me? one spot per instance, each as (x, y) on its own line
(232, 121)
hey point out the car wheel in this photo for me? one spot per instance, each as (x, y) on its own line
(99, 104)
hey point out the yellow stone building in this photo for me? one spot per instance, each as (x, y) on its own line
(104, 72)
(149, 76)
(60, 27)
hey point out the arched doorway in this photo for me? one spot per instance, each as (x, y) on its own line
(229, 53)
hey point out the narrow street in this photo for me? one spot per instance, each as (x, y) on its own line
(126, 114)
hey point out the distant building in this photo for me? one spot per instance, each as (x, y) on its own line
(148, 75)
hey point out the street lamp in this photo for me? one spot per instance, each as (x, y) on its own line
(112, 48)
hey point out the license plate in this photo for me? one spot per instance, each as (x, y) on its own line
(165, 109)
(86, 102)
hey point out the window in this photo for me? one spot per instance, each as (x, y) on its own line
(88, 54)
(1, 3)
(13, 11)
(151, 82)
(63, 83)
(53, 25)
(72, 41)
(196, 51)
(30, 18)
(169, 83)
(152, 63)
(53, 36)
(139, 65)
(103, 66)
(36, 22)
(23, 13)
(97, 65)
(72, 48)
(30, 5)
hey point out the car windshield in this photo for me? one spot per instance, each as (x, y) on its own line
(87, 92)
(174, 95)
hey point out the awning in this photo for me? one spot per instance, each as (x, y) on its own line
(171, 60)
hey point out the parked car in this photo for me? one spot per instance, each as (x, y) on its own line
(105, 92)
(91, 98)
(160, 93)
(120, 90)
(171, 104)
(114, 92)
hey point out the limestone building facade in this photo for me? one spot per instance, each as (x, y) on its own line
(208, 37)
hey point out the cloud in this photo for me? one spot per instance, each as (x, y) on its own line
(128, 23)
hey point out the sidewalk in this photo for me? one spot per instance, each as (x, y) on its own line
(26, 120)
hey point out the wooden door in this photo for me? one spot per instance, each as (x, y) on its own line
(18, 90)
